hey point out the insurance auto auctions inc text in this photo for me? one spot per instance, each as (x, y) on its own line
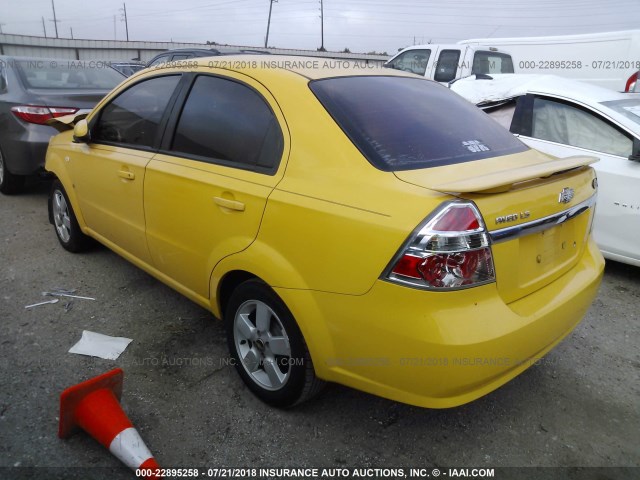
(327, 473)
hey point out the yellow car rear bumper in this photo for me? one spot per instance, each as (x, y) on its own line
(440, 349)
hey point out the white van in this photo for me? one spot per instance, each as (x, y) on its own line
(605, 59)
(444, 63)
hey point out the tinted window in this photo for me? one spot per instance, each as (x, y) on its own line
(229, 122)
(181, 56)
(133, 117)
(159, 60)
(127, 69)
(414, 61)
(491, 62)
(409, 123)
(447, 66)
(562, 123)
(68, 74)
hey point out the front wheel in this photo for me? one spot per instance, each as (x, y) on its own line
(267, 347)
(66, 225)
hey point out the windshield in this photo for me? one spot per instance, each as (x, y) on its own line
(629, 108)
(68, 74)
(403, 123)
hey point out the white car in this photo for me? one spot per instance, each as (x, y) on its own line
(563, 118)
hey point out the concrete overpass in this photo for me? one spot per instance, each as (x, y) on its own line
(116, 50)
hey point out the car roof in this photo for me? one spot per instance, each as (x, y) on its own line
(198, 52)
(431, 46)
(179, 50)
(506, 86)
(312, 68)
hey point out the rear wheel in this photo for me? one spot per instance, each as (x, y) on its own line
(64, 220)
(267, 347)
(9, 183)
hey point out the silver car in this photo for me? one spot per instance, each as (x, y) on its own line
(32, 92)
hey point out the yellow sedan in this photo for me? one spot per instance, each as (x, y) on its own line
(351, 225)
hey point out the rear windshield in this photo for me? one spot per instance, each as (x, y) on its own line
(630, 108)
(68, 74)
(403, 123)
(491, 62)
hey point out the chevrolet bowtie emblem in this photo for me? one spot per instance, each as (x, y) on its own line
(566, 195)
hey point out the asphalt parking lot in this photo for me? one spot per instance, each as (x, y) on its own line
(580, 407)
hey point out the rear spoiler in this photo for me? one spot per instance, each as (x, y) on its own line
(67, 122)
(502, 180)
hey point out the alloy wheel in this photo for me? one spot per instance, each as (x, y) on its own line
(262, 344)
(61, 216)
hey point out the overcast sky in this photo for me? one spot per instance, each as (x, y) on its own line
(360, 25)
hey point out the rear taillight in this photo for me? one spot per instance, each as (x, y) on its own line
(40, 115)
(450, 250)
(631, 83)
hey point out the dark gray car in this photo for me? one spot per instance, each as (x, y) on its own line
(128, 68)
(182, 54)
(34, 90)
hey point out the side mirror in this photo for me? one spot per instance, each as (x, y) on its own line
(635, 150)
(81, 132)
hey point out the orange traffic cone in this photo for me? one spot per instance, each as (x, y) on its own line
(94, 406)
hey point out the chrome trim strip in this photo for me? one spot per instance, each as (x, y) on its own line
(517, 231)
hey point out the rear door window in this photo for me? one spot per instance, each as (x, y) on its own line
(567, 124)
(159, 60)
(227, 122)
(491, 62)
(133, 117)
(403, 123)
(447, 66)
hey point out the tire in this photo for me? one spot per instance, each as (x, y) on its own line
(64, 220)
(267, 347)
(10, 184)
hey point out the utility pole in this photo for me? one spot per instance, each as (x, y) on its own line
(114, 27)
(266, 40)
(71, 28)
(1, 24)
(321, 26)
(55, 20)
(44, 28)
(124, 17)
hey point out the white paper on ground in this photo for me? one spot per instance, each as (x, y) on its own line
(102, 346)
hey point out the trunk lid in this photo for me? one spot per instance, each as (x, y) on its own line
(537, 208)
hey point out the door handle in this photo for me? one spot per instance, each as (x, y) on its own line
(230, 204)
(126, 174)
